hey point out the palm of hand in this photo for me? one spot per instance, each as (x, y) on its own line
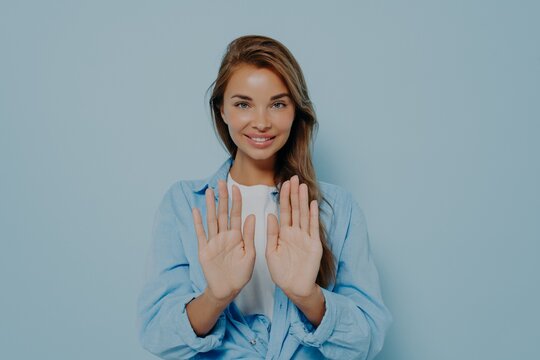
(227, 258)
(294, 249)
(295, 262)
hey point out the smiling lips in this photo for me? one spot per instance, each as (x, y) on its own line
(260, 141)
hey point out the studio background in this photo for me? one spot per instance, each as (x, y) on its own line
(429, 114)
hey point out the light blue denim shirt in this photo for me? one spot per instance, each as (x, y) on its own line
(355, 321)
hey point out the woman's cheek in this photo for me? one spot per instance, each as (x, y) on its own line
(244, 117)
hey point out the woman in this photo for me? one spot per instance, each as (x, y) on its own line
(243, 284)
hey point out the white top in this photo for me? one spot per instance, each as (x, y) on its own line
(257, 296)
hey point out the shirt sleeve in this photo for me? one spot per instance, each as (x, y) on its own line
(163, 325)
(356, 320)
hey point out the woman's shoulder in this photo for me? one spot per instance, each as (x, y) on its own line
(190, 192)
(344, 203)
(186, 187)
(334, 193)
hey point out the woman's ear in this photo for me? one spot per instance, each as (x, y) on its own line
(222, 114)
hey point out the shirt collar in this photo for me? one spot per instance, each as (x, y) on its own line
(221, 173)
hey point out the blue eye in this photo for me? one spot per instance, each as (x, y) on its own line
(240, 103)
(280, 103)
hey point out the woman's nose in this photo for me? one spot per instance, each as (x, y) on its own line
(262, 121)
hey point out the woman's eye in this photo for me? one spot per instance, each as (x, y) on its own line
(240, 105)
(280, 103)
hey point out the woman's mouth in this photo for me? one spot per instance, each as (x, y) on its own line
(261, 142)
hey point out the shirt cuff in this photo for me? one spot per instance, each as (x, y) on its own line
(304, 331)
(183, 328)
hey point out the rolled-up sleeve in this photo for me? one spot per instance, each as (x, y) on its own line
(356, 320)
(164, 328)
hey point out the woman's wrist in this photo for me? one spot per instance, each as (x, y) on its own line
(313, 306)
(303, 297)
(218, 302)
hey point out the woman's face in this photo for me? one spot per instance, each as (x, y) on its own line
(259, 111)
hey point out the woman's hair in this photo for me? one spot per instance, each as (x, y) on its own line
(294, 158)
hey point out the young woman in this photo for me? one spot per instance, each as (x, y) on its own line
(260, 260)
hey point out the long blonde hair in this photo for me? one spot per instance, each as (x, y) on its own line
(294, 158)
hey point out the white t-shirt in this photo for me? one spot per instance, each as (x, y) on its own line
(257, 296)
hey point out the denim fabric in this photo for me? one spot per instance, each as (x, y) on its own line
(355, 321)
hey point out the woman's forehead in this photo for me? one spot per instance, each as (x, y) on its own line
(249, 80)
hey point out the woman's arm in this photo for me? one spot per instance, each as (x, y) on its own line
(312, 306)
(176, 321)
(356, 320)
(163, 324)
(203, 312)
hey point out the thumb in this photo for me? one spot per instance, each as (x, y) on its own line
(249, 234)
(272, 231)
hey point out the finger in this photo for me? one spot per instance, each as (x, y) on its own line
(223, 207)
(272, 231)
(314, 220)
(249, 234)
(236, 208)
(304, 208)
(199, 229)
(211, 220)
(295, 208)
(284, 204)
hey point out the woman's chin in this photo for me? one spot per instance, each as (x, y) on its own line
(260, 154)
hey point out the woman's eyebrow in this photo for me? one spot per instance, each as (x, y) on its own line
(245, 97)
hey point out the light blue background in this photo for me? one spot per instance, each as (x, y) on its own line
(429, 113)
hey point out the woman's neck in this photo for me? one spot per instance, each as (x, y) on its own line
(253, 172)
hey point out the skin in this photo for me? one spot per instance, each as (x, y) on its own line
(294, 248)
(259, 115)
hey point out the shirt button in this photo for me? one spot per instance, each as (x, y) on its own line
(253, 341)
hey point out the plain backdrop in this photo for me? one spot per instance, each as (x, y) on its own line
(429, 114)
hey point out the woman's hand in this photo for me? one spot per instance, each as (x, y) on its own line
(226, 258)
(294, 249)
